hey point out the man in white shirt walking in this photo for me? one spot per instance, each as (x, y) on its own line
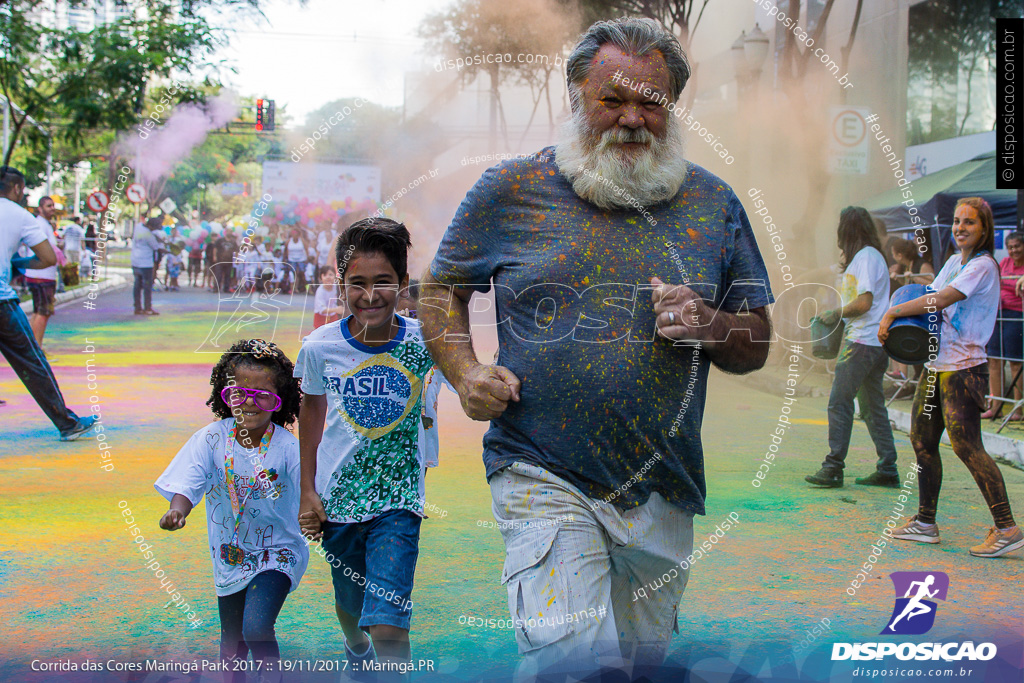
(42, 282)
(144, 247)
(73, 235)
(17, 343)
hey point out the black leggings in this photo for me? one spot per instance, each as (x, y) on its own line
(247, 620)
(954, 401)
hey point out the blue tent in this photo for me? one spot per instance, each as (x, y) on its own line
(935, 195)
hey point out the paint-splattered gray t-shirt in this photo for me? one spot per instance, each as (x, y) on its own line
(576, 324)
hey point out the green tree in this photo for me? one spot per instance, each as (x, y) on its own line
(76, 82)
(472, 28)
(372, 134)
(950, 42)
(227, 155)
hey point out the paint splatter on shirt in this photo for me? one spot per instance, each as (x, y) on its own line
(966, 325)
(372, 455)
(866, 273)
(577, 326)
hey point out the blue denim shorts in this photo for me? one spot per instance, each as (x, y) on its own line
(372, 565)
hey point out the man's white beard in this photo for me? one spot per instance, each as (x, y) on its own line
(649, 176)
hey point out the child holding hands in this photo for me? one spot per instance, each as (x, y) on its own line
(247, 466)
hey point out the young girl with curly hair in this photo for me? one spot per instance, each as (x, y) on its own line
(247, 465)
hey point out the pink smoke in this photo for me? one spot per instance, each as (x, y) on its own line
(159, 149)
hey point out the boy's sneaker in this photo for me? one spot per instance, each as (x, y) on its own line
(84, 425)
(876, 478)
(830, 479)
(356, 670)
(999, 542)
(914, 530)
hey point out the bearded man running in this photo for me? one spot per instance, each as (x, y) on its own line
(595, 498)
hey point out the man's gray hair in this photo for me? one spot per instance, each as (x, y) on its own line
(634, 36)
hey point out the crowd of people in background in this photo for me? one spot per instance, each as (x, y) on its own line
(287, 259)
(225, 261)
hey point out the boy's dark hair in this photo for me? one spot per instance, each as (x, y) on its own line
(261, 354)
(375, 236)
(10, 177)
(323, 270)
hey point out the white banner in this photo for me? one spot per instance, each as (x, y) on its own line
(329, 182)
(935, 156)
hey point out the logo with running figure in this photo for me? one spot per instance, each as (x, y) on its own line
(914, 612)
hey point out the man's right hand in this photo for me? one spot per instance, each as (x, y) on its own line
(485, 391)
(311, 515)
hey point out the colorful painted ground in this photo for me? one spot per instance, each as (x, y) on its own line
(73, 586)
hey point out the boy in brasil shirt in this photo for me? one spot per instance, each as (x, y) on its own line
(363, 478)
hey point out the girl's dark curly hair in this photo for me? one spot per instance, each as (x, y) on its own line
(261, 354)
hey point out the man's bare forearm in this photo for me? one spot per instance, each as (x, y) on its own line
(741, 351)
(446, 329)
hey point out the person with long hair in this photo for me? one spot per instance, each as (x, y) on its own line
(862, 361)
(951, 394)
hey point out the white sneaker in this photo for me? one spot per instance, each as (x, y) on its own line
(913, 530)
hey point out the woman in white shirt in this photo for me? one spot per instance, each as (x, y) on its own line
(862, 360)
(296, 253)
(324, 247)
(951, 394)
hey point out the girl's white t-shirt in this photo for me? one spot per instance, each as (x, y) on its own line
(269, 533)
(966, 325)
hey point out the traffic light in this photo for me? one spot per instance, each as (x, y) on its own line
(268, 121)
(259, 114)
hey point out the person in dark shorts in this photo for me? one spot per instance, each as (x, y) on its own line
(195, 264)
(42, 282)
(363, 478)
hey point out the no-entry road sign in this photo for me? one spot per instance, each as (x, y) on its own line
(98, 201)
(135, 193)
